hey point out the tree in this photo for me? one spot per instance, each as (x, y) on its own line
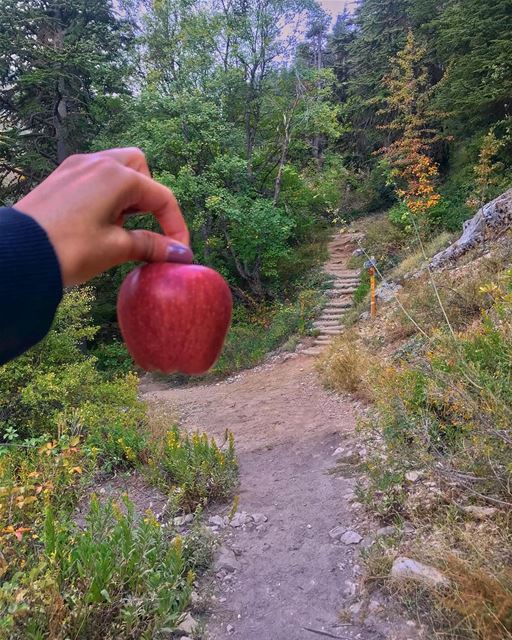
(256, 46)
(61, 65)
(475, 46)
(407, 106)
(381, 29)
(339, 47)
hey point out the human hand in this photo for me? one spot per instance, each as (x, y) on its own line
(82, 206)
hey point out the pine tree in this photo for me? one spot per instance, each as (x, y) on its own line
(343, 35)
(475, 45)
(381, 28)
(61, 62)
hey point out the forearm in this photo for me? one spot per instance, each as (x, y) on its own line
(30, 283)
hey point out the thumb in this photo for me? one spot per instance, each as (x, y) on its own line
(146, 246)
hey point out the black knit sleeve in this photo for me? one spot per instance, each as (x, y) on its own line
(30, 283)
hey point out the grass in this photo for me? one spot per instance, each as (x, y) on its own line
(345, 369)
(440, 393)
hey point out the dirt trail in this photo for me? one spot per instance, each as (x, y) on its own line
(290, 573)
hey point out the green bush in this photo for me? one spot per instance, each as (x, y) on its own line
(363, 288)
(196, 469)
(113, 359)
(56, 389)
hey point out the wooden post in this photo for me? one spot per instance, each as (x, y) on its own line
(373, 302)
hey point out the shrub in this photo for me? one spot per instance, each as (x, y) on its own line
(450, 406)
(113, 359)
(197, 470)
(385, 241)
(56, 388)
(344, 368)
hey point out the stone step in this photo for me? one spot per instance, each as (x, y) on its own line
(313, 351)
(339, 307)
(342, 273)
(345, 283)
(325, 342)
(327, 324)
(337, 294)
(331, 332)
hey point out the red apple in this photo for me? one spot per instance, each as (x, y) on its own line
(174, 317)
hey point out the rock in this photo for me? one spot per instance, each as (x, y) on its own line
(364, 316)
(350, 589)
(489, 222)
(230, 628)
(355, 506)
(337, 532)
(181, 521)
(194, 598)
(338, 451)
(185, 638)
(407, 569)
(239, 519)
(480, 513)
(259, 518)
(217, 521)
(351, 537)
(226, 560)
(387, 291)
(357, 252)
(355, 608)
(187, 625)
(413, 476)
(375, 606)
(385, 531)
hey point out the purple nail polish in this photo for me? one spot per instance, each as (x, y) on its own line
(179, 253)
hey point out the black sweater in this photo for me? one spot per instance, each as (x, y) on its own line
(30, 283)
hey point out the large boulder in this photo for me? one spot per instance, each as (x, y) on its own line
(491, 221)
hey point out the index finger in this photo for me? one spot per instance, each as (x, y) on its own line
(144, 194)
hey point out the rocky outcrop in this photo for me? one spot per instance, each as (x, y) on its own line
(491, 221)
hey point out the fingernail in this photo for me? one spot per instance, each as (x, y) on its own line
(179, 253)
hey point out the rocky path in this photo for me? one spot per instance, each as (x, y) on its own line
(288, 565)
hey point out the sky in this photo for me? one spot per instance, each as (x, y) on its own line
(335, 7)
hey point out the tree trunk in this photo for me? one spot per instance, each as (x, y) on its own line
(287, 119)
(490, 222)
(317, 151)
(60, 115)
(60, 121)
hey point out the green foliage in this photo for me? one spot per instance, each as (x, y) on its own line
(118, 578)
(56, 389)
(60, 66)
(196, 468)
(113, 359)
(474, 43)
(363, 288)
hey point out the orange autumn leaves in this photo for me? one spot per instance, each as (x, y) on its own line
(410, 119)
